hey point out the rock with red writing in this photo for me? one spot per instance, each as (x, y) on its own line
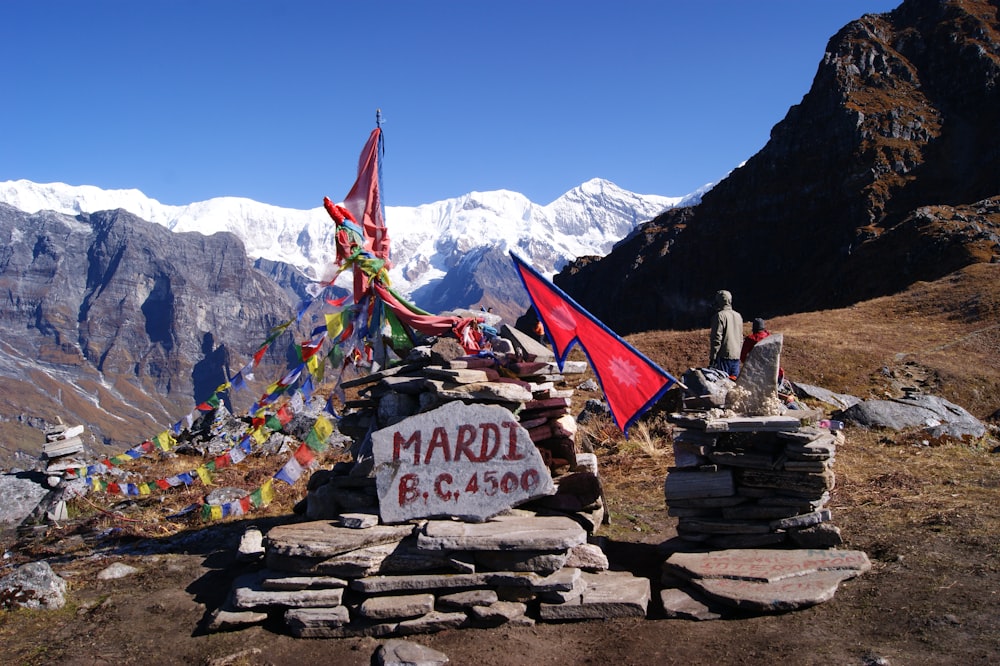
(469, 461)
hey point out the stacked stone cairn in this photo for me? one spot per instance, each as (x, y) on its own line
(465, 503)
(749, 476)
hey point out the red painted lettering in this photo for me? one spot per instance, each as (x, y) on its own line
(511, 441)
(443, 478)
(399, 443)
(466, 435)
(490, 431)
(439, 440)
(408, 492)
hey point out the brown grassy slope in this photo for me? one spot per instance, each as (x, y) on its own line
(942, 337)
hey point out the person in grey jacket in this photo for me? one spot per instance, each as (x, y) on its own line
(726, 336)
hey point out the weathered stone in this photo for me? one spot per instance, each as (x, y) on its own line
(787, 594)
(707, 526)
(467, 461)
(227, 620)
(564, 579)
(765, 565)
(756, 387)
(274, 580)
(752, 424)
(399, 652)
(541, 562)
(433, 621)
(249, 593)
(836, 400)
(33, 585)
(358, 521)
(609, 594)
(936, 416)
(323, 539)
(509, 532)
(809, 484)
(823, 535)
(588, 557)
(679, 604)
(498, 613)
(685, 484)
(321, 622)
(396, 607)
(116, 570)
(801, 521)
(498, 392)
(21, 492)
(464, 600)
(527, 345)
(394, 407)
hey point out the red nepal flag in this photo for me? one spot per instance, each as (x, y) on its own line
(630, 381)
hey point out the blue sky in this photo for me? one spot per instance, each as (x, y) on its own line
(189, 100)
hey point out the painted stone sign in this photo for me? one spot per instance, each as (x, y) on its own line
(467, 461)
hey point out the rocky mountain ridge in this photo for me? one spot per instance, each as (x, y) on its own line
(436, 247)
(884, 175)
(120, 324)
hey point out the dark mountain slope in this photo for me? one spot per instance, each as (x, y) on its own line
(887, 173)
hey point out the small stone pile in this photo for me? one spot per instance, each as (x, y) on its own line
(751, 476)
(61, 441)
(493, 431)
(750, 482)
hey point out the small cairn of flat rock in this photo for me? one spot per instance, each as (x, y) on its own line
(465, 504)
(751, 476)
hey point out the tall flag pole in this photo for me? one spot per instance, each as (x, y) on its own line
(631, 382)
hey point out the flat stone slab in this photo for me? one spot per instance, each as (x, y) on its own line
(562, 580)
(753, 424)
(764, 565)
(399, 652)
(678, 604)
(324, 538)
(608, 594)
(396, 607)
(787, 594)
(248, 595)
(318, 622)
(470, 461)
(433, 621)
(510, 532)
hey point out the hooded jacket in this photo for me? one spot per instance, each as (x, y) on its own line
(727, 329)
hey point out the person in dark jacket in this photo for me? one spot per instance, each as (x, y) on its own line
(726, 335)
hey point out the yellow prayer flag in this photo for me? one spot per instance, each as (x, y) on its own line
(259, 435)
(313, 364)
(204, 475)
(267, 492)
(334, 325)
(143, 488)
(165, 440)
(323, 428)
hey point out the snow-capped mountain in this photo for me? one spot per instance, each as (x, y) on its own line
(428, 241)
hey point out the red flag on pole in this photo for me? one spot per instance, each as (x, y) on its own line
(631, 382)
(365, 198)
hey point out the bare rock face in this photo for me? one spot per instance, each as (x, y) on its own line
(884, 175)
(113, 305)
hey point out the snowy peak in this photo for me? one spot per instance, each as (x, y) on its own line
(428, 241)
